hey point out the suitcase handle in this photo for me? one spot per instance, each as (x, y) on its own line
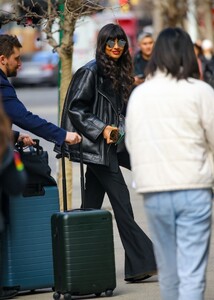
(81, 209)
(34, 148)
(64, 187)
(82, 181)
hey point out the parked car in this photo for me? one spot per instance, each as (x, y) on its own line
(38, 68)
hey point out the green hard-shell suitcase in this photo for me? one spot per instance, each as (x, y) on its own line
(83, 249)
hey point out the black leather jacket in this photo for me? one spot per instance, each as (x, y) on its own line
(90, 106)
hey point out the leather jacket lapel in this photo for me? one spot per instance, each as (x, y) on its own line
(104, 90)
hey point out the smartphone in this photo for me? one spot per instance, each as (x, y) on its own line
(114, 135)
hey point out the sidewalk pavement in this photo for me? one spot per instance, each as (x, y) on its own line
(146, 290)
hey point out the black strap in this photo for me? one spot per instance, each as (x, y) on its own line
(21, 147)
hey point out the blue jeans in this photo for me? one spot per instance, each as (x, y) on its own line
(180, 224)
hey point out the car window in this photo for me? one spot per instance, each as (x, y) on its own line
(26, 57)
(45, 57)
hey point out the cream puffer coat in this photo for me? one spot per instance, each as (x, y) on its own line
(169, 134)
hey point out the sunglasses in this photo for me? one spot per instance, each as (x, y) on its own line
(121, 43)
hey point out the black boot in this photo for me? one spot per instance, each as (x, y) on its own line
(7, 293)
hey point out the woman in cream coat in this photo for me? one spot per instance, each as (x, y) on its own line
(170, 138)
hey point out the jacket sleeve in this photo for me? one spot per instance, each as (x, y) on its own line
(206, 109)
(81, 96)
(25, 119)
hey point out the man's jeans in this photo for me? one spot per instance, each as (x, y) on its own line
(180, 224)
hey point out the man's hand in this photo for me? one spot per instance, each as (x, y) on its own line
(72, 138)
(138, 80)
(26, 139)
(110, 133)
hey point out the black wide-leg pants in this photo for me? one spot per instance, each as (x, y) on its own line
(139, 255)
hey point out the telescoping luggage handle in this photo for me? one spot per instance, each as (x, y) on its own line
(82, 182)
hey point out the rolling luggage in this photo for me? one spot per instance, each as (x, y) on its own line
(83, 249)
(27, 262)
(26, 243)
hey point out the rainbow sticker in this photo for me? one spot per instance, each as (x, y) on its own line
(18, 163)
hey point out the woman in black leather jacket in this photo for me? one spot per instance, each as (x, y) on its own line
(97, 95)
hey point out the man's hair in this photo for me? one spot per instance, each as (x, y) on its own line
(7, 44)
(144, 35)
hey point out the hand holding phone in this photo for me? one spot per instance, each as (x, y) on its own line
(114, 135)
(111, 134)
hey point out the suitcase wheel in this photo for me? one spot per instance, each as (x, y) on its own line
(98, 294)
(67, 296)
(109, 293)
(56, 296)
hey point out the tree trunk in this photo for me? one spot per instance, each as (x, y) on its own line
(157, 17)
(65, 52)
(208, 19)
(66, 63)
(192, 27)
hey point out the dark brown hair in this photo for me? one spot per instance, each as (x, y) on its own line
(7, 43)
(174, 54)
(120, 71)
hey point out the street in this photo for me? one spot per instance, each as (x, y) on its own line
(43, 101)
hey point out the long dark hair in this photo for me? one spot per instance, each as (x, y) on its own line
(174, 54)
(120, 71)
